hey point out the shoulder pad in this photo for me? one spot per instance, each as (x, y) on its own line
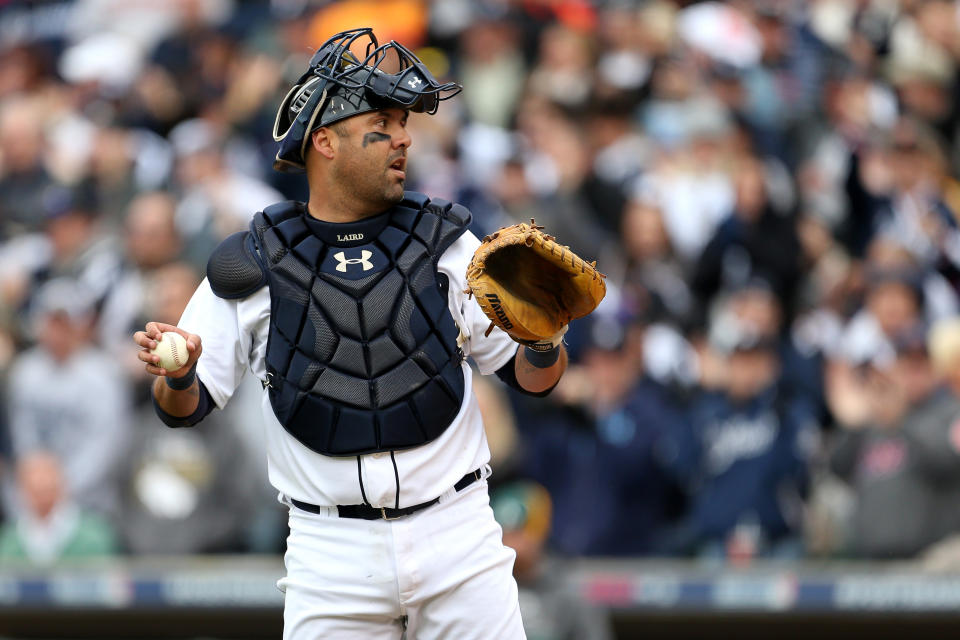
(414, 200)
(458, 214)
(453, 219)
(455, 213)
(234, 269)
(280, 211)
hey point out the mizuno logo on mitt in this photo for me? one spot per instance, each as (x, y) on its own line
(498, 311)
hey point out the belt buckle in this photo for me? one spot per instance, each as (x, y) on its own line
(383, 514)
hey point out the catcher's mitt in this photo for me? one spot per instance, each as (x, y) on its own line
(530, 286)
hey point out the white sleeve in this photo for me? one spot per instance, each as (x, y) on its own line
(24, 422)
(488, 352)
(224, 358)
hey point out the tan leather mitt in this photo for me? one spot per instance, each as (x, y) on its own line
(530, 286)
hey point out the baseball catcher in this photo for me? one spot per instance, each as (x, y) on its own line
(350, 310)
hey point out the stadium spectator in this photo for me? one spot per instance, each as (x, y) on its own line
(493, 72)
(56, 405)
(755, 239)
(690, 179)
(187, 491)
(151, 241)
(652, 263)
(557, 165)
(913, 209)
(215, 198)
(755, 304)
(23, 175)
(599, 452)
(73, 246)
(48, 525)
(112, 173)
(896, 449)
(743, 454)
(893, 303)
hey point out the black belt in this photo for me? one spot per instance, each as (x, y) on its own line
(367, 512)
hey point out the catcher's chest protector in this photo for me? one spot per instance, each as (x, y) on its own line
(362, 354)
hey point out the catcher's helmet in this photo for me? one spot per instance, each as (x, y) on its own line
(339, 85)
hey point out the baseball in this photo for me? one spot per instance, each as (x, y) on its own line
(172, 349)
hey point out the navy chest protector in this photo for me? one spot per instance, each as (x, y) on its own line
(362, 354)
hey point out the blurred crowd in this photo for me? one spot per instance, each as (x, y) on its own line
(769, 185)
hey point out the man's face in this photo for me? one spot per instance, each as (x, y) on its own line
(60, 335)
(41, 482)
(151, 235)
(749, 372)
(914, 375)
(372, 156)
(894, 305)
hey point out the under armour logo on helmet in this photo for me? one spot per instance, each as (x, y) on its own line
(414, 82)
(363, 260)
(337, 105)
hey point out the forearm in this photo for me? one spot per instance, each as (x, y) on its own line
(177, 403)
(536, 379)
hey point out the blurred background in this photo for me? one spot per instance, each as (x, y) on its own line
(759, 431)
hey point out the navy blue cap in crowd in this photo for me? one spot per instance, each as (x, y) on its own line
(339, 85)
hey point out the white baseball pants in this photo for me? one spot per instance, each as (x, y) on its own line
(442, 571)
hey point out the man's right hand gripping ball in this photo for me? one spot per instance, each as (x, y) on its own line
(530, 286)
(148, 340)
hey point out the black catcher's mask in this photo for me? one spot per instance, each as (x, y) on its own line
(339, 85)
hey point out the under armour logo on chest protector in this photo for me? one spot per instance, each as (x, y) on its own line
(363, 260)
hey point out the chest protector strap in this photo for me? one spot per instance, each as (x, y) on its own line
(362, 354)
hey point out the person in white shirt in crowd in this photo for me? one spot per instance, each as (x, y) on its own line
(56, 405)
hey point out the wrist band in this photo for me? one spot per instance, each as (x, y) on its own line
(542, 359)
(185, 382)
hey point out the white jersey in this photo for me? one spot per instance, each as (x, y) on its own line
(234, 336)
